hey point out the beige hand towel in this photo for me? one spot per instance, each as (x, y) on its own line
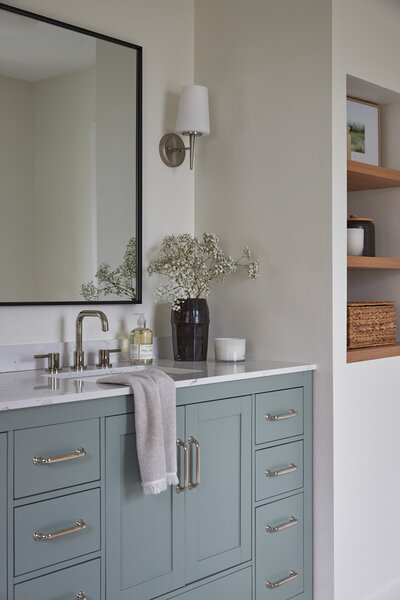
(154, 396)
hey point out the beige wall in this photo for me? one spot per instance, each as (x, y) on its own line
(115, 150)
(168, 194)
(17, 194)
(64, 113)
(263, 178)
(366, 44)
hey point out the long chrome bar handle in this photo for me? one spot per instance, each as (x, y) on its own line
(292, 467)
(38, 536)
(272, 585)
(292, 521)
(291, 413)
(81, 596)
(79, 453)
(181, 488)
(193, 442)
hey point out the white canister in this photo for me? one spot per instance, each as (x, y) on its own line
(355, 242)
(230, 349)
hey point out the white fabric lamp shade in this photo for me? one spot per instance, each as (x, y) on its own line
(193, 112)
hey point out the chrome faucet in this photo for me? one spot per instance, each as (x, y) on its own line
(79, 355)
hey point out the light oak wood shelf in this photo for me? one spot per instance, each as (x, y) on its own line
(361, 176)
(371, 263)
(360, 354)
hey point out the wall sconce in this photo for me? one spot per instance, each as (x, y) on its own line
(193, 120)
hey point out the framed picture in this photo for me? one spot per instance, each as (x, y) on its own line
(364, 126)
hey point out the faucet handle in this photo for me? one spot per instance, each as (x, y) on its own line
(53, 361)
(104, 358)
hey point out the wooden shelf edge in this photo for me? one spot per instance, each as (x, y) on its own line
(361, 176)
(372, 262)
(360, 354)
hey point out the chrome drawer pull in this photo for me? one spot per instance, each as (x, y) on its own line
(81, 596)
(292, 467)
(79, 453)
(38, 536)
(272, 585)
(192, 485)
(292, 521)
(291, 413)
(181, 488)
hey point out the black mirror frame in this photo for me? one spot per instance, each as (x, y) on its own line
(139, 174)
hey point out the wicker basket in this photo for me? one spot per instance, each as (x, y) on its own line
(371, 324)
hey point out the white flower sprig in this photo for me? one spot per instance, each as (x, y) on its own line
(120, 281)
(191, 264)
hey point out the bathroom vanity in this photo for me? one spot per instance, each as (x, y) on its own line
(75, 524)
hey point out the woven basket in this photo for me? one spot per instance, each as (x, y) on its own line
(371, 324)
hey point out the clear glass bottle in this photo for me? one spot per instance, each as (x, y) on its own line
(141, 343)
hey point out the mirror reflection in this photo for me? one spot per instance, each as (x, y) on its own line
(69, 164)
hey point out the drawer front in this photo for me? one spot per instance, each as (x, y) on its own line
(279, 415)
(284, 568)
(63, 585)
(279, 525)
(236, 586)
(51, 441)
(284, 464)
(53, 516)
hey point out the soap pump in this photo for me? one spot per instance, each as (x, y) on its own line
(141, 343)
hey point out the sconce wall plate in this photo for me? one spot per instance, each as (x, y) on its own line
(172, 150)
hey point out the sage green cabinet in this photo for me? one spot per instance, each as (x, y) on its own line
(218, 511)
(159, 543)
(145, 534)
(3, 516)
(63, 585)
(236, 586)
(241, 525)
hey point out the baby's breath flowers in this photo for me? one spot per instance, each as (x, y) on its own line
(120, 281)
(191, 264)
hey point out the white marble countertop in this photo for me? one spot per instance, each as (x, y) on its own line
(26, 389)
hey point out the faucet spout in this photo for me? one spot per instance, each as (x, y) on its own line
(79, 355)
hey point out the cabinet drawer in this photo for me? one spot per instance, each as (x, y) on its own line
(279, 525)
(279, 415)
(286, 568)
(53, 516)
(279, 470)
(63, 585)
(236, 586)
(51, 441)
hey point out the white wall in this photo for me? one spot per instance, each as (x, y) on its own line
(168, 195)
(263, 178)
(366, 44)
(17, 194)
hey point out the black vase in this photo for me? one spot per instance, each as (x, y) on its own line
(190, 329)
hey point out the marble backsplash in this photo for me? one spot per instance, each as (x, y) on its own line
(19, 357)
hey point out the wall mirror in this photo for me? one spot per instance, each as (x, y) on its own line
(70, 163)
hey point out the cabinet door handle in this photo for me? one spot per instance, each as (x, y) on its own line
(192, 441)
(292, 521)
(292, 467)
(38, 460)
(38, 536)
(272, 585)
(181, 488)
(81, 596)
(291, 413)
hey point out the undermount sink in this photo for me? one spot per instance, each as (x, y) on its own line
(97, 373)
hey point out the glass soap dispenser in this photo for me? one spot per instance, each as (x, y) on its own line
(141, 343)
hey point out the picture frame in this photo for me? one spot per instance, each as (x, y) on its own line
(364, 126)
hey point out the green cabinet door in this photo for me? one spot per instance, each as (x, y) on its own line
(3, 516)
(218, 510)
(144, 534)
